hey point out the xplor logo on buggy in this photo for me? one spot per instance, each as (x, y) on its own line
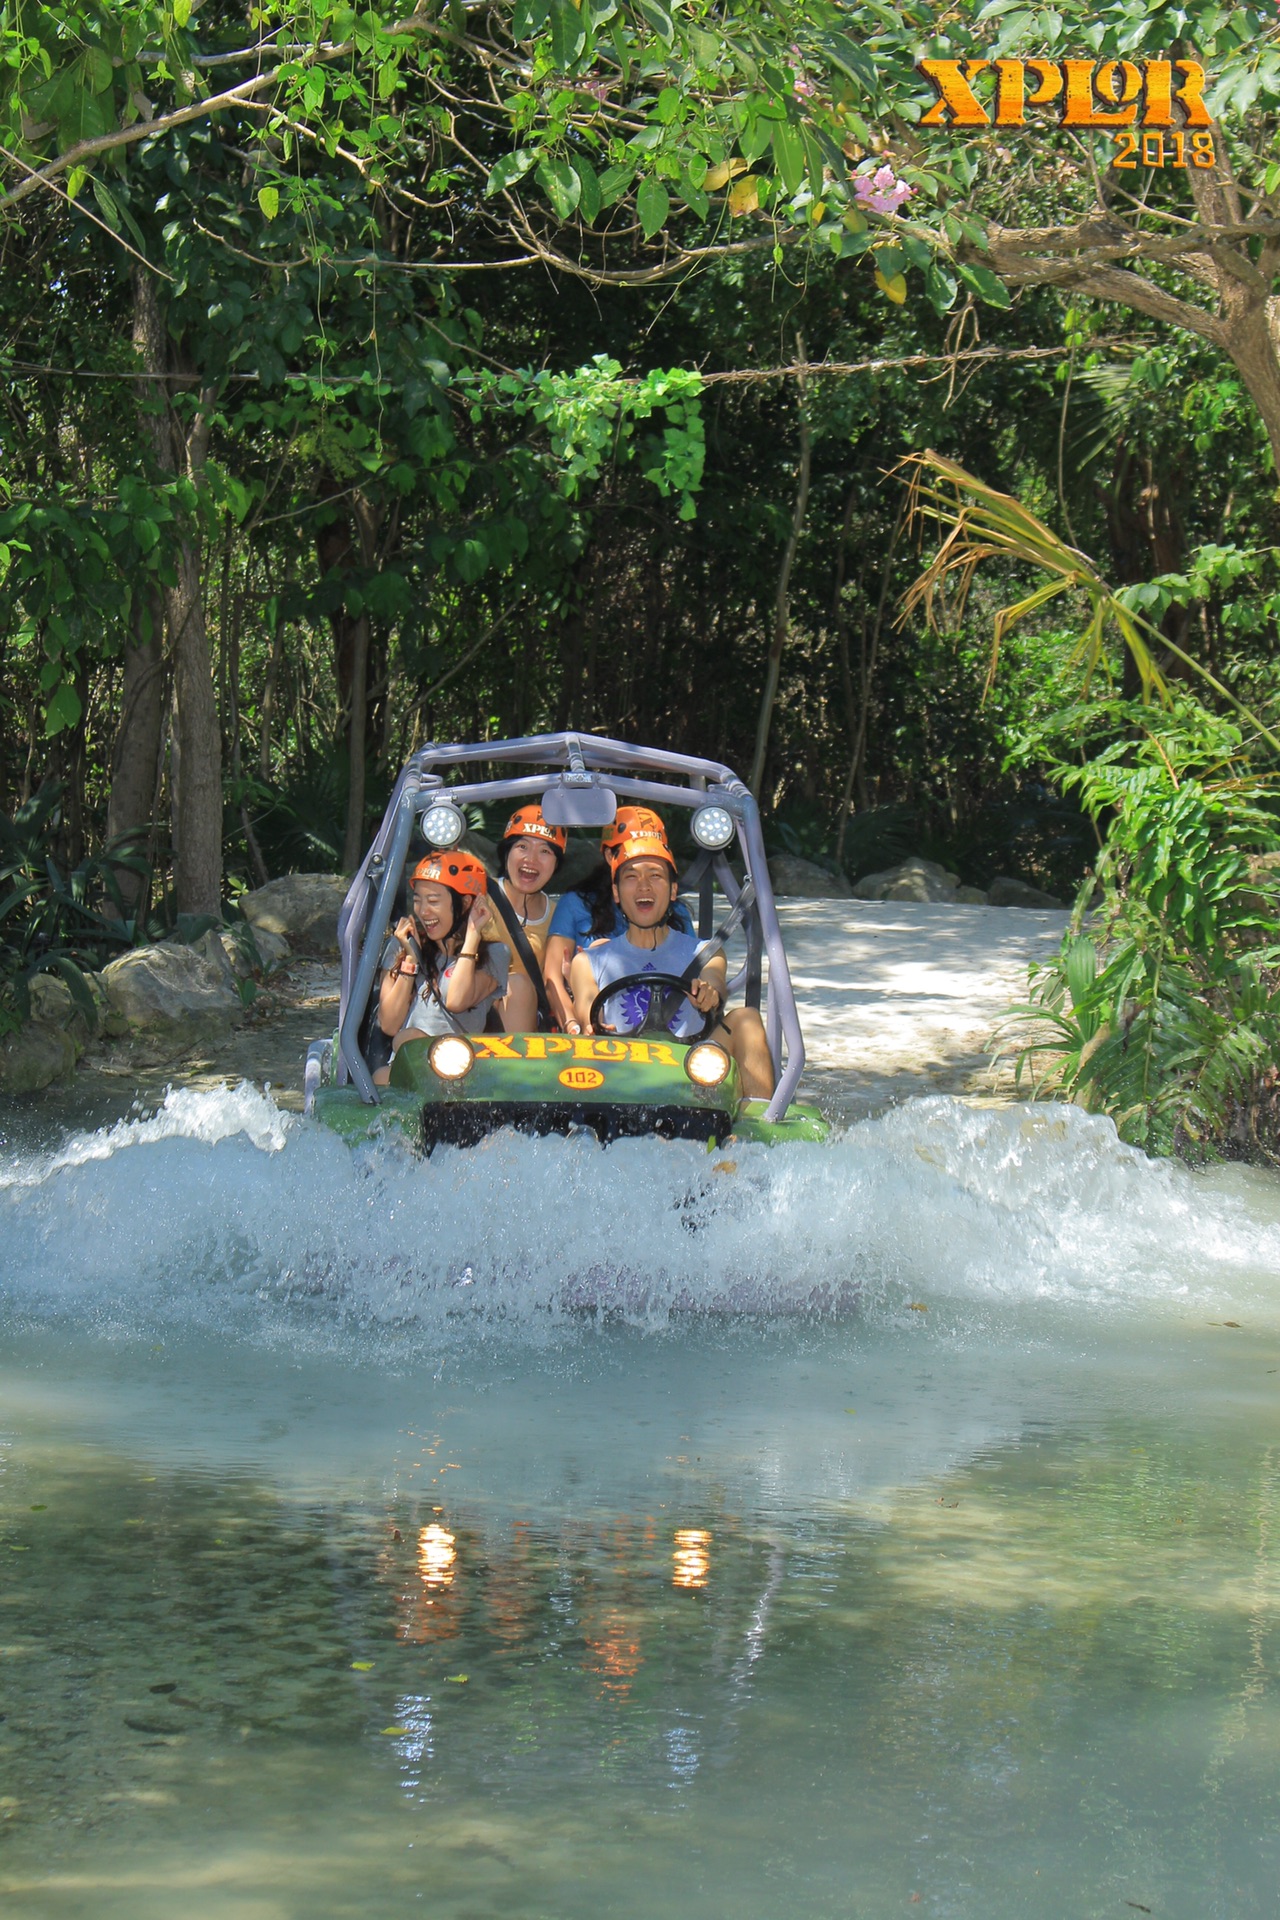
(586, 1048)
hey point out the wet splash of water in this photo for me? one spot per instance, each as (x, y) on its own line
(220, 1211)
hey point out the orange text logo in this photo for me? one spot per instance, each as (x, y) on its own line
(1085, 93)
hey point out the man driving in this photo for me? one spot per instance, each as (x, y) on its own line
(645, 885)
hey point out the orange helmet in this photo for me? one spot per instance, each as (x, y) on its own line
(639, 846)
(452, 868)
(627, 823)
(529, 821)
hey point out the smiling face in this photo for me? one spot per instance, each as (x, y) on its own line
(433, 908)
(530, 864)
(644, 889)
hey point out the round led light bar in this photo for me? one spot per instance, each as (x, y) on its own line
(706, 1064)
(443, 825)
(451, 1057)
(712, 828)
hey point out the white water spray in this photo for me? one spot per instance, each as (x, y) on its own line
(219, 1210)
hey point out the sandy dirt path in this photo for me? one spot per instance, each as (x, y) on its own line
(900, 998)
(895, 1000)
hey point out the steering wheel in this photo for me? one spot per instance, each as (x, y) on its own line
(668, 990)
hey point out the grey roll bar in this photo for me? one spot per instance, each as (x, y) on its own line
(571, 763)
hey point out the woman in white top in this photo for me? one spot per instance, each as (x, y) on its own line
(529, 855)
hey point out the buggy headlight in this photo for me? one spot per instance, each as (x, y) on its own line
(443, 825)
(712, 828)
(451, 1057)
(706, 1064)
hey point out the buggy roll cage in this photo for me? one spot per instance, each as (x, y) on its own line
(573, 791)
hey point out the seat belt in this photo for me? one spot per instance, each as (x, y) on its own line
(520, 941)
(718, 940)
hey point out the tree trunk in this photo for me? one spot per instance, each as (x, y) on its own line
(1232, 253)
(197, 814)
(136, 752)
(782, 599)
(197, 805)
(340, 546)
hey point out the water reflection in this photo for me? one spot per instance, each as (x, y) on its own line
(437, 1556)
(1071, 1636)
(692, 1558)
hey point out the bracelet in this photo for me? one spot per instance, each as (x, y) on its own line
(464, 955)
(406, 964)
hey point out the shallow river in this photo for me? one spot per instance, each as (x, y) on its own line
(878, 1529)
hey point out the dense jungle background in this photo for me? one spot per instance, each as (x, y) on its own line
(516, 368)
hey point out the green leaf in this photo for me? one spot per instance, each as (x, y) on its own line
(985, 284)
(658, 18)
(788, 152)
(851, 59)
(63, 710)
(614, 182)
(530, 17)
(694, 197)
(589, 202)
(755, 138)
(653, 204)
(561, 185)
(568, 32)
(470, 559)
(815, 159)
(75, 180)
(181, 12)
(98, 70)
(941, 286)
(110, 211)
(511, 167)
(269, 201)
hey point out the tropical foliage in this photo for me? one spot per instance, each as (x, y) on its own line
(1163, 1007)
(55, 921)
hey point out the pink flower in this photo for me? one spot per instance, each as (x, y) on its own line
(881, 191)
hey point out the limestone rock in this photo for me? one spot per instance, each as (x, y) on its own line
(53, 1006)
(271, 949)
(301, 907)
(169, 1000)
(914, 879)
(1004, 891)
(802, 880)
(34, 1057)
(210, 948)
(971, 897)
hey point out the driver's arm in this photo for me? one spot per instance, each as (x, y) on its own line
(582, 985)
(708, 990)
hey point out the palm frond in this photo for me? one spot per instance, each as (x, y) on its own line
(980, 524)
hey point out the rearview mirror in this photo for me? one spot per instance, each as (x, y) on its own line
(578, 806)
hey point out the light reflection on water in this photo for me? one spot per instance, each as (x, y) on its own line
(969, 1611)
